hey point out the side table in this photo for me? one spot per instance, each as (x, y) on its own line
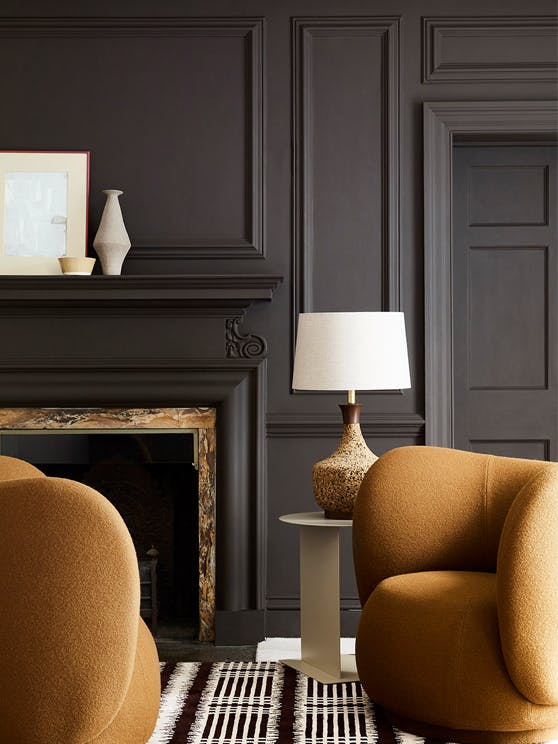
(319, 600)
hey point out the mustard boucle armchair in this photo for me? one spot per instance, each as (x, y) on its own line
(456, 558)
(78, 664)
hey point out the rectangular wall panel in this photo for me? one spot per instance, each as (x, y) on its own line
(489, 49)
(531, 449)
(507, 324)
(346, 164)
(171, 110)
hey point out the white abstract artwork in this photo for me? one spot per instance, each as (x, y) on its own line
(35, 214)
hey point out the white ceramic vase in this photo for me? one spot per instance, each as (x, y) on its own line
(112, 242)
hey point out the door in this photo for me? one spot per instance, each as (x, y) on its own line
(504, 300)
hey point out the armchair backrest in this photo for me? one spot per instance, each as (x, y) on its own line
(430, 508)
(70, 595)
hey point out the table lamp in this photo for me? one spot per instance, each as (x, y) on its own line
(348, 351)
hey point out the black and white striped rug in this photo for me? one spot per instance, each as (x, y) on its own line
(264, 702)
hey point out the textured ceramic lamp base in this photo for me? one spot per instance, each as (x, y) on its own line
(336, 480)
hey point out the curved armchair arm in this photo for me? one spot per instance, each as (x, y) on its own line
(11, 468)
(70, 591)
(527, 588)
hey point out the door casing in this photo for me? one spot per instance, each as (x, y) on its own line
(444, 121)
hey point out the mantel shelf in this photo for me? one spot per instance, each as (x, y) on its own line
(217, 291)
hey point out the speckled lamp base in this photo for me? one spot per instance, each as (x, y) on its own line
(336, 479)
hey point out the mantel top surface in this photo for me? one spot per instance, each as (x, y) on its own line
(168, 290)
(179, 281)
(314, 519)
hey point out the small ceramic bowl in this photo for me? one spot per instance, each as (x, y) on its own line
(76, 265)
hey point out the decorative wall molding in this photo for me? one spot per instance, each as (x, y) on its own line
(442, 122)
(322, 426)
(242, 346)
(543, 440)
(304, 30)
(533, 39)
(249, 29)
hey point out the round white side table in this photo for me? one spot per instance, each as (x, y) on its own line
(319, 600)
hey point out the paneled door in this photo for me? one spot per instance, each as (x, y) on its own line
(504, 314)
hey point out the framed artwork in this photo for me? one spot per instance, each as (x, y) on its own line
(43, 210)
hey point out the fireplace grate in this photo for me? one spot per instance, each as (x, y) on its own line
(149, 609)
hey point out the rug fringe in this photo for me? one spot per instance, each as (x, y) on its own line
(172, 701)
(369, 719)
(275, 700)
(402, 737)
(300, 697)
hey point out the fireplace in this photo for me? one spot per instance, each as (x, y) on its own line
(141, 460)
(160, 342)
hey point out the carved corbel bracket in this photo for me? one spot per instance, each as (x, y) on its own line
(242, 346)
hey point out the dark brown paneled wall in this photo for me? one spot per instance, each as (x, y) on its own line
(263, 136)
(345, 94)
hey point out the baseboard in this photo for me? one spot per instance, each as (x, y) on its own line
(248, 627)
(239, 627)
(286, 623)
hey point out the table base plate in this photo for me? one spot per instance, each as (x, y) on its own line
(348, 670)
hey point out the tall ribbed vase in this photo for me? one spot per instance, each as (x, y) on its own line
(336, 480)
(112, 242)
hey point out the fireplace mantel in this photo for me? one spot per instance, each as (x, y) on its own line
(185, 291)
(159, 341)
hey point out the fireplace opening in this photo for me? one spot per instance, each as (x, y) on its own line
(152, 480)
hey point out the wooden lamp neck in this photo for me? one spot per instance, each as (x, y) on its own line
(351, 413)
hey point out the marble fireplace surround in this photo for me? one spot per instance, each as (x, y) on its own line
(199, 421)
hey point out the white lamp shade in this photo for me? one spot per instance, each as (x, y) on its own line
(351, 351)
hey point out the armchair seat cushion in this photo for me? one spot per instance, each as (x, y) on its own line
(428, 650)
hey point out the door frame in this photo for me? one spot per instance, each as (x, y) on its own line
(443, 121)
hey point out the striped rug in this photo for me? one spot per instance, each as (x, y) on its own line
(264, 702)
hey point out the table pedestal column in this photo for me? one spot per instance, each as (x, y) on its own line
(319, 608)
